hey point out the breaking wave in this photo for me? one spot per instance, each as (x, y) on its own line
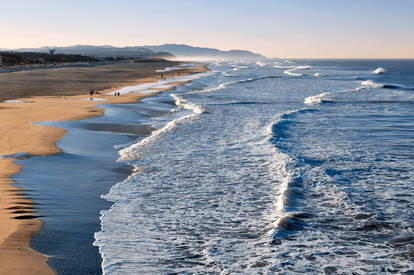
(292, 72)
(130, 152)
(316, 99)
(380, 70)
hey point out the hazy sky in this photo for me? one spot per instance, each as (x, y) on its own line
(275, 28)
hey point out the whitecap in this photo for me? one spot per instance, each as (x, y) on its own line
(380, 70)
(289, 72)
(311, 100)
(301, 67)
(371, 83)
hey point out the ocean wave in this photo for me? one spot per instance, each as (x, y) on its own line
(288, 225)
(287, 221)
(226, 74)
(238, 67)
(230, 83)
(317, 75)
(322, 97)
(380, 70)
(373, 84)
(282, 67)
(130, 152)
(279, 166)
(289, 72)
(392, 86)
(311, 100)
(292, 73)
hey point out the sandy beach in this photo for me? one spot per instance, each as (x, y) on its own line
(52, 95)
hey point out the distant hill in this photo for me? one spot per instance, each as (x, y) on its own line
(101, 51)
(182, 51)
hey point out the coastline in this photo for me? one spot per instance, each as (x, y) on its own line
(18, 220)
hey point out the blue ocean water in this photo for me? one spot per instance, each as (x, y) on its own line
(301, 166)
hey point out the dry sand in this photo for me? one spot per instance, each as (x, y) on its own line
(47, 95)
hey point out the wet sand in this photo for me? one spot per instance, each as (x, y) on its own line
(51, 95)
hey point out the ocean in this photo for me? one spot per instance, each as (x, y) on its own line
(268, 167)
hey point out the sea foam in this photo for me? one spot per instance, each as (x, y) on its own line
(371, 83)
(316, 99)
(292, 72)
(380, 70)
(130, 152)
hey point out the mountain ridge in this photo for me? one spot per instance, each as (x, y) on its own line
(177, 51)
(187, 51)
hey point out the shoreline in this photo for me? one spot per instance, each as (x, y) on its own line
(19, 222)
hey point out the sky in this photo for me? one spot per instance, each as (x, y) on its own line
(275, 28)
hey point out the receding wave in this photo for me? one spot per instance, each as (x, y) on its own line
(129, 152)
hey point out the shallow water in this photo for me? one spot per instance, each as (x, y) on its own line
(66, 187)
(272, 167)
(300, 166)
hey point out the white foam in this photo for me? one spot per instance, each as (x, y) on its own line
(261, 64)
(292, 72)
(282, 67)
(227, 74)
(311, 100)
(178, 67)
(317, 74)
(226, 84)
(14, 101)
(371, 83)
(317, 99)
(147, 88)
(380, 70)
(280, 167)
(129, 153)
(303, 67)
(238, 67)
